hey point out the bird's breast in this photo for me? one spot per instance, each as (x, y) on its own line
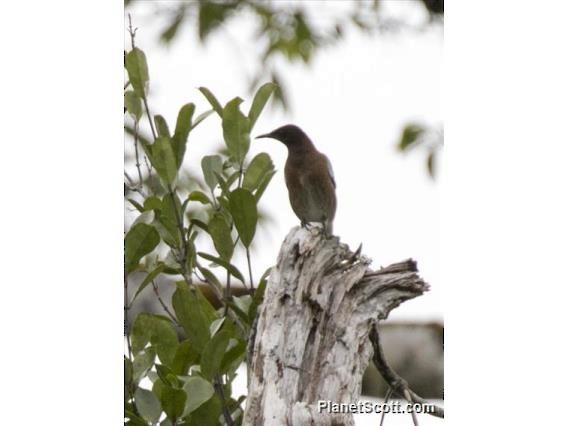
(310, 187)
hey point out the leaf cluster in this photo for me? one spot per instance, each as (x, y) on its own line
(191, 355)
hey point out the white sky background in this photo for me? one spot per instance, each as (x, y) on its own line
(352, 101)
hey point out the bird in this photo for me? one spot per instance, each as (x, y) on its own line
(309, 178)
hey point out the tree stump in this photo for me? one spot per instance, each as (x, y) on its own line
(312, 335)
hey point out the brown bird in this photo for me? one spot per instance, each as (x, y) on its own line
(309, 177)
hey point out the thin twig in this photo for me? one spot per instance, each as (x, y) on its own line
(412, 413)
(133, 45)
(227, 294)
(397, 383)
(131, 31)
(250, 271)
(386, 400)
(134, 187)
(136, 153)
(241, 173)
(220, 297)
(145, 100)
(148, 166)
(164, 306)
(219, 389)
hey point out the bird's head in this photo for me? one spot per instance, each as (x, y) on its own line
(290, 135)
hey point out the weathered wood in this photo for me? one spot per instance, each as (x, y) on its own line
(312, 335)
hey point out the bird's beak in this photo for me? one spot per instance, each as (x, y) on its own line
(266, 135)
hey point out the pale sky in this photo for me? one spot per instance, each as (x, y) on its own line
(352, 101)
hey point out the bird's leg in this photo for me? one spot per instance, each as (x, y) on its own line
(304, 224)
(327, 229)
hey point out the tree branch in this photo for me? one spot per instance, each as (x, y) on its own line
(312, 336)
(396, 383)
(164, 306)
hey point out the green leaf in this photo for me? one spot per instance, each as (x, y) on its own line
(140, 240)
(216, 326)
(431, 163)
(228, 266)
(151, 276)
(198, 391)
(243, 209)
(232, 179)
(208, 414)
(258, 168)
(200, 224)
(190, 261)
(166, 236)
(211, 166)
(161, 126)
(168, 216)
(234, 355)
(201, 117)
(195, 314)
(242, 314)
(173, 401)
(152, 203)
(163, 159)
(410, 136)
(137, 69)
(199, 196)
(243, 302)
(211, 15)
(148, 405)
(133, 104)
(134, 419)
(212, 100)
(263, 185)
(259, 101)
(127, 371)
(213, 354)
(259, 294)
(210, 277)
(167, 376)
(157, 384)
(236, 130)
(146, 218)
(169, 33)
(184, 358)
(221, 235)
(157, 330)
(183, 127)
(143, 362)
(222, 183)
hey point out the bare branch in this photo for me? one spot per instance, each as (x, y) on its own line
(164, 306)
(397, 383)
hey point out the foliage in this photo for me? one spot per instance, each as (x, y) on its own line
(190, 356)
(288, 30)
(415, 136)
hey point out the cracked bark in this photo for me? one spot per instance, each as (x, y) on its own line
(312, 337)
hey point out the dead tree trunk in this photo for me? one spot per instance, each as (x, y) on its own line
(312, 336)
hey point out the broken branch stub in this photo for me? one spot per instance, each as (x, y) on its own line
(312, 337)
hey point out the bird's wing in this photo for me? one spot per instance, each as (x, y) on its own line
(330, 171)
